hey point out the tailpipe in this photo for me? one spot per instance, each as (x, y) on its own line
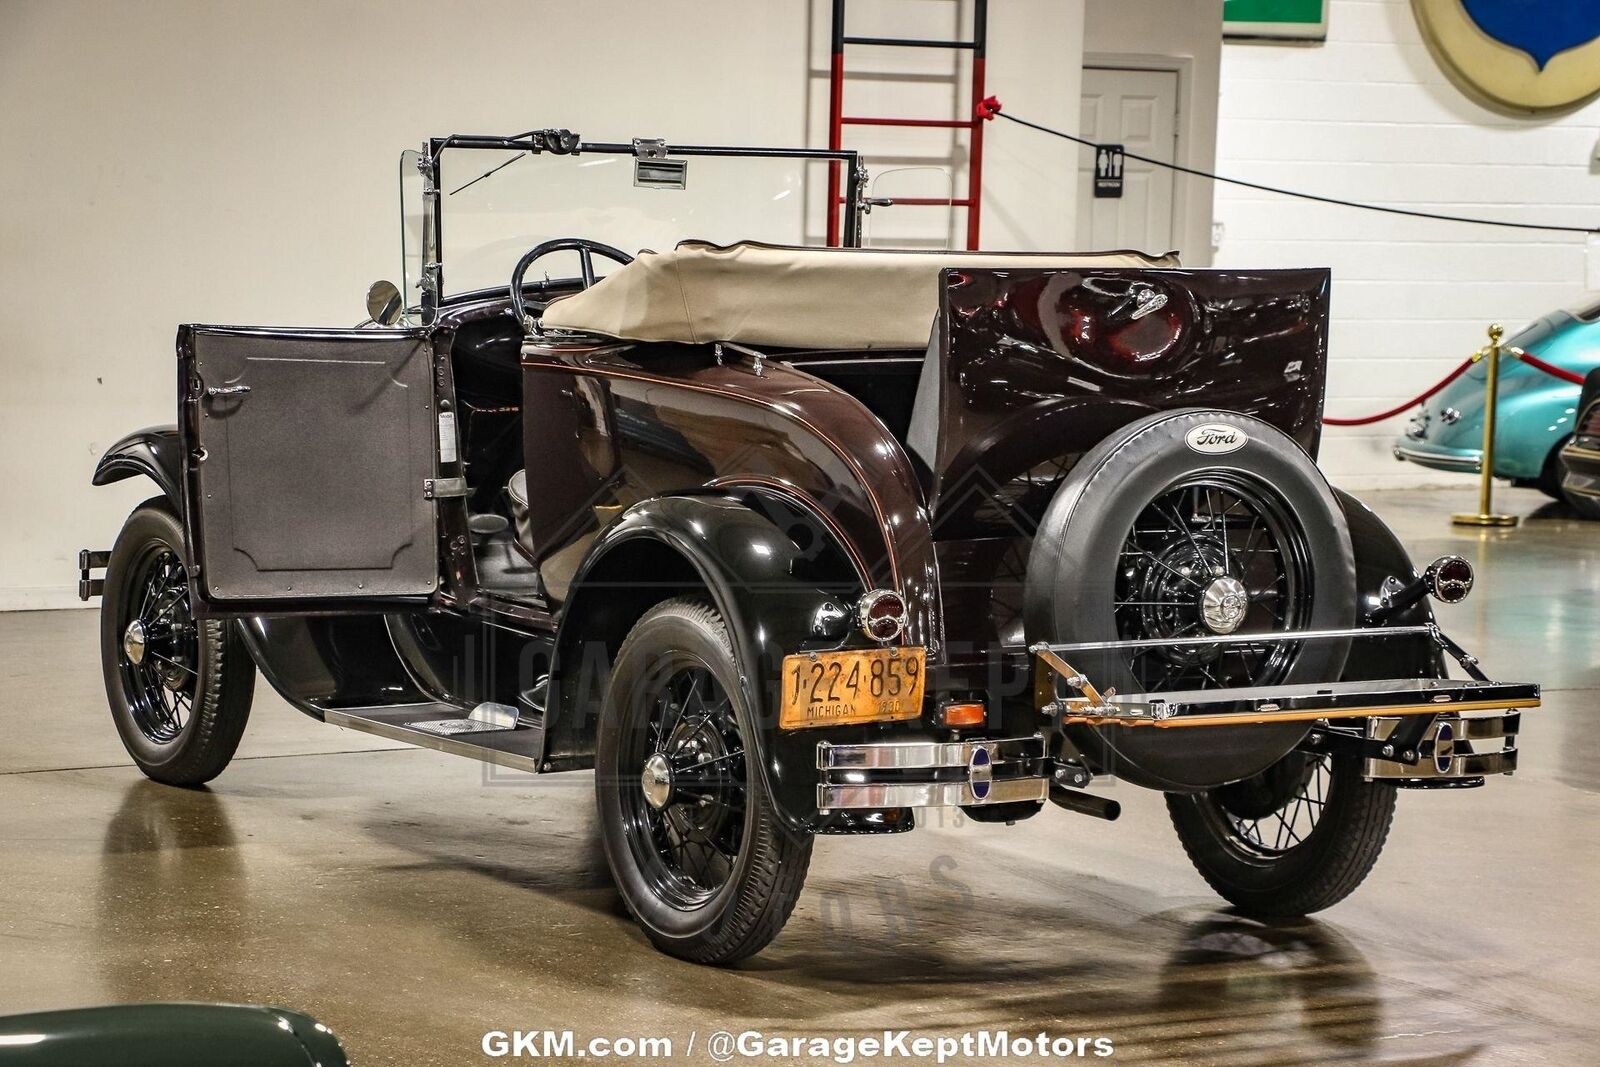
(1084, 803)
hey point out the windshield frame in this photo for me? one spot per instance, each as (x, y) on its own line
(561, 142)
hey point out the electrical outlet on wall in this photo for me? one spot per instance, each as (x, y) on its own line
(1216, 236)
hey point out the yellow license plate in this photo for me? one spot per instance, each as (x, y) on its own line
(833, 688)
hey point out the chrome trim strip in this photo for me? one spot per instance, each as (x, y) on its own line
(1270, 637)
(912, 755)
(1585, 453)
(1434, 459)
(929, 794)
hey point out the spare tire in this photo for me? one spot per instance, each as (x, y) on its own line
(1192, 523)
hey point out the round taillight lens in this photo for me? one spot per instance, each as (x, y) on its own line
(1450, 579)
(882, 615)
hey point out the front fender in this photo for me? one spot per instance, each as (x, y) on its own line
(153, 452)
(711, 545)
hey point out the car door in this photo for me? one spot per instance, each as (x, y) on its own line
(313, 463)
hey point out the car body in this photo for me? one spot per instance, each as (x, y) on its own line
(168, 1035)
(1536, 410)
(1580, 456)
(785, 541)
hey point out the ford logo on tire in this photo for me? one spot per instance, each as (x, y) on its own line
(1215, 439)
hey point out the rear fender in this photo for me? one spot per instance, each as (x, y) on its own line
(755, 576)
(153, 452)
(1379, 556)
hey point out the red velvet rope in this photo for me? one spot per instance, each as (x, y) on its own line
(1549, 368)
(1400, 408)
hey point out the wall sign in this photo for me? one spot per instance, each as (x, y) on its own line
(1529, 56)
(1292, 20)
(1108, 160)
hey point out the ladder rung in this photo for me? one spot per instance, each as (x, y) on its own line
(949, 124)
(909, 42)
(922, 201)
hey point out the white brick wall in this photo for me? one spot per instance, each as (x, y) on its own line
(1370, 116)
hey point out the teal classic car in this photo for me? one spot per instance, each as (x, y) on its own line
(1536, 410)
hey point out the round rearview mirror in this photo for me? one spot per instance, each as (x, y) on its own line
(384, 305)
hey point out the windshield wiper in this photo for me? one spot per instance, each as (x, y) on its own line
(490, 172)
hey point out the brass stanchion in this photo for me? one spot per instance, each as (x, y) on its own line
(1485, 515)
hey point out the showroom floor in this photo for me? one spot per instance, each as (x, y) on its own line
(412, 901)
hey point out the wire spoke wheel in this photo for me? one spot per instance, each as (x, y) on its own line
(1215, 554)
(686, 809)
(160, 656)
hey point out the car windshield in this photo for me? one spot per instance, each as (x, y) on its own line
(496, 204)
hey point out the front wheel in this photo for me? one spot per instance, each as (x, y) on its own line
(700, 856)
(1295, 839)
(179, 688)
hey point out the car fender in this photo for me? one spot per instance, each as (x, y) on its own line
(153, 452)
(712, 545)
(1379, 555)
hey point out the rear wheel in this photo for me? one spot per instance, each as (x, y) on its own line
(697, 851)
(180, 689)
(1293, 840)
(1155, 538)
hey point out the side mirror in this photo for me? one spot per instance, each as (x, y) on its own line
(384, 305)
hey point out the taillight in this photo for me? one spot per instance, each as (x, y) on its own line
(881, 614)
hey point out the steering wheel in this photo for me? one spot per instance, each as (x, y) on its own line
(586, 250)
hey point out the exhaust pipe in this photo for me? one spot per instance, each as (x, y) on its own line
(1084, 803)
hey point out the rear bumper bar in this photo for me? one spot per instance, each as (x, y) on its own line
(1456, 750)
(931, 774)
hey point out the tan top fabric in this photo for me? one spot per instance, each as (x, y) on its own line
(789, 297)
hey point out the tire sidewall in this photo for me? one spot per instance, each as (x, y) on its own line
(638, 662)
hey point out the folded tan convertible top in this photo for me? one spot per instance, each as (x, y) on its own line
(790, 297)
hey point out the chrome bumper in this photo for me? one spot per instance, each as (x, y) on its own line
(930, 774)
(1455, 747)
(1438, 459)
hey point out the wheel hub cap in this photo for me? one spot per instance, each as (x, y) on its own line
(1223, 604)
(134, 642)
(657, 781)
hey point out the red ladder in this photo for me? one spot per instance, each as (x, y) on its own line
(838, 120)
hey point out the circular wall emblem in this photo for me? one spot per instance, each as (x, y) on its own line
(1216, 438)
(1531, 56)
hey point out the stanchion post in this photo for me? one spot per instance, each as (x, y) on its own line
(1485, 515)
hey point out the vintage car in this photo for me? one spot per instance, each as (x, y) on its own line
(1580, 456)
(785, 540)
(168, 1035)
(1534, 411)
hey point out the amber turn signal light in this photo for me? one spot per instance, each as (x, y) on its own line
(964, 714)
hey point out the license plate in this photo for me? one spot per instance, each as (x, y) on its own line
(833, 688)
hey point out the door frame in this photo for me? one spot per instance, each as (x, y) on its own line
(1183, 67)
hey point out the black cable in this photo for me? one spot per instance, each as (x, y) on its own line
(1302, 196)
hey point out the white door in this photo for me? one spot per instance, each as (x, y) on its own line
(1137, 109)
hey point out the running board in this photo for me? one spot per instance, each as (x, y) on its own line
(490, 732)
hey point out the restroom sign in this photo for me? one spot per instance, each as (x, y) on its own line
(1108, 171)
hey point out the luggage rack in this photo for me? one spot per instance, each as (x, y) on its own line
(1268, 704)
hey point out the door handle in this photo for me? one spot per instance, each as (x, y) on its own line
(215, 391)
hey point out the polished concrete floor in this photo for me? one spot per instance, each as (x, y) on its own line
(413, 901)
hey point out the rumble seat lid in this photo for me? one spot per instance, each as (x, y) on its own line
(791, 297)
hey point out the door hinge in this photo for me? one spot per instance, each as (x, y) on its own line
(440, 488)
